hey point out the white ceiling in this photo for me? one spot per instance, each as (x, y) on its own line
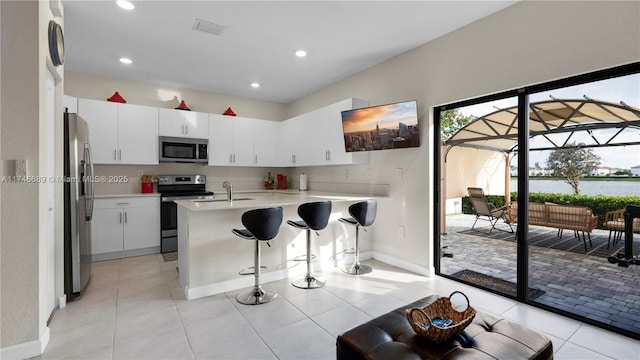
(341, 37)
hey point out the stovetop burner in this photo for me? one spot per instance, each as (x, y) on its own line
(183, 186)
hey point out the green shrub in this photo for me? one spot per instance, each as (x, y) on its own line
(599, 204)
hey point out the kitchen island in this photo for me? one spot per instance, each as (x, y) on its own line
(210, 256)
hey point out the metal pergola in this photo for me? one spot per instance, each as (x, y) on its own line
(557, 121)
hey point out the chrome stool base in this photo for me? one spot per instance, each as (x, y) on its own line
(309, 282)
(357, 269)
(256, 296)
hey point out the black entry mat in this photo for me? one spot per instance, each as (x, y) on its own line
(493, 283)
(170, 256)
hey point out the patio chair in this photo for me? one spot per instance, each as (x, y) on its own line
(487, 211)
(614, 222)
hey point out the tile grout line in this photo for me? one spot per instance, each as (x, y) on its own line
(115, 320)
(252, 327)
(184, 330)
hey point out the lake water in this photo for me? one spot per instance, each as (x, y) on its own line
(616, 188)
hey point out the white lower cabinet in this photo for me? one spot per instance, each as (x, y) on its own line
(123, 227)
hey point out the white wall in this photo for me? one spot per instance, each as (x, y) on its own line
(527, 43)
(23, 122)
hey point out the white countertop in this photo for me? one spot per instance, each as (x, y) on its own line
(260, 199)
(111, 196)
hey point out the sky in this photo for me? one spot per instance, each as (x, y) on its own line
(386, 116)
(625, 88)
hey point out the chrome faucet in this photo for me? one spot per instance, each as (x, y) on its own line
(227, 185)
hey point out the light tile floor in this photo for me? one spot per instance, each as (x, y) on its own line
(134, 309)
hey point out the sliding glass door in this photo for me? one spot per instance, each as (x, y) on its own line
(533, 184)
(477, 238)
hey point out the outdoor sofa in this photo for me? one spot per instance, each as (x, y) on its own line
(576, 218)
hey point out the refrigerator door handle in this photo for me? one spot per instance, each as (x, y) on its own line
(91, 196)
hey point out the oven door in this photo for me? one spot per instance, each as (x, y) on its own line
(168, 226)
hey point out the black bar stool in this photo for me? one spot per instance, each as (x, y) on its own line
(363, 214)
(315, 216)
(261, 225)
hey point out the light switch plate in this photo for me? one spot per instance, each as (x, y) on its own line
(21, 167)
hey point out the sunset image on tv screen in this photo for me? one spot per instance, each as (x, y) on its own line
(381, 127)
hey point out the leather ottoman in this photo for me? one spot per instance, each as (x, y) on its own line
(391, 337)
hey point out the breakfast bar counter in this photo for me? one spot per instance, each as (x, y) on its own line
(210, 256)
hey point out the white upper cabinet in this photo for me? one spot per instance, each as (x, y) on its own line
(102, 118)
(293, 142)
(220, 140)
(326, 124)
(183, 123)
(316, 137)
(231, 140)
(121, 133)
(265, 142)
(137, 134)
(243, 137)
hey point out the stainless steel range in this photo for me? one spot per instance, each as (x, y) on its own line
(177, 187)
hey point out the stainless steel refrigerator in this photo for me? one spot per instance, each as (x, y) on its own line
(78, 205)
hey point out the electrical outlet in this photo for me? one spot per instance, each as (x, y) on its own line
(399, 173)
(346, 173)
(21, 168)
(401, 231)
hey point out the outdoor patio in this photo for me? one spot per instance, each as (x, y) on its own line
(561, 273)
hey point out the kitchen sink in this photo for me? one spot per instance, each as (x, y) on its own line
(220, 200)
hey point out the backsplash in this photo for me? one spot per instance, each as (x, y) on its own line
(125, 179)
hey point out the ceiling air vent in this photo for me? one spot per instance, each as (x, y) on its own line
(208, 27)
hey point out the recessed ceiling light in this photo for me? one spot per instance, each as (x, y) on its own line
(255, 85)
(301, 53)
(125, 60)
(125, 4)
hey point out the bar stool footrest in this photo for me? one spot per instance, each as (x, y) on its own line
(250, 270)
(303, 257)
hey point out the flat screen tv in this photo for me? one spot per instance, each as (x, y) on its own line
(381, 127)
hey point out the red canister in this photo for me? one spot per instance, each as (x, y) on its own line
(147, 187)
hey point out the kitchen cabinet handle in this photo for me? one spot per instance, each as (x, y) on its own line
(329, 155)
(123, 204)
(234, 158)
(120, 218)
(125, 217)
(230, 158)
(182, 129)
(120, 154)
(115, 152)
(256, 159)
(186, 129)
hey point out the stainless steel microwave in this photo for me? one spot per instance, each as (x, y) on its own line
(185, 150)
